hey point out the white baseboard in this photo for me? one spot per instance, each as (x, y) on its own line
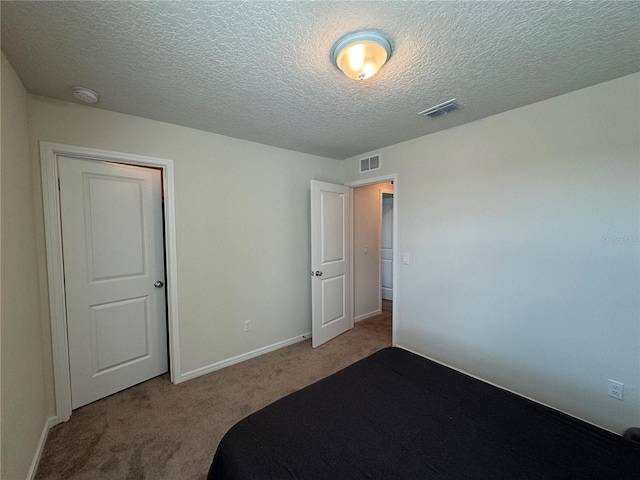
(33, 468)
(241, 358)
(367, 315)
(55, 420)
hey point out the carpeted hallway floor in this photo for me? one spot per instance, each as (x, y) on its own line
(157, 430)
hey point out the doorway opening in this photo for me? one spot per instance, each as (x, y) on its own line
(386, 256)
(374, 246)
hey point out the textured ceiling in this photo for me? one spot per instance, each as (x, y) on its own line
(261, 70)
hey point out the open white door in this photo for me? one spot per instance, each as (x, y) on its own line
(114, 276)
(330, 265)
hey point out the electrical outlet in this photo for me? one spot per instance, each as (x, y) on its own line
(615, 389)
(247, 325)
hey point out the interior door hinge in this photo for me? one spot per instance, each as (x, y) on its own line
(58, 184)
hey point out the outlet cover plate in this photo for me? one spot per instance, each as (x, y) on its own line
(615, 389)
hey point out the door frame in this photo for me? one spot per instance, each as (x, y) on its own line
(371, 181)
(55, 267)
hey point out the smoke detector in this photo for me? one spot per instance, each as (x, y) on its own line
(85, 94)
(442, 108)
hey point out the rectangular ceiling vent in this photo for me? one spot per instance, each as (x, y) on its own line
(442, 108)
(370, 163)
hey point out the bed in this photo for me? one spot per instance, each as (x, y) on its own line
(396, 415)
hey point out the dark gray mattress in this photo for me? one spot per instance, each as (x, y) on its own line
(395, 415)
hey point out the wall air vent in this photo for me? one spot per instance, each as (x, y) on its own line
(370, 163)
(442, 108)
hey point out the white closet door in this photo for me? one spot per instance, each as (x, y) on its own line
(112, 235)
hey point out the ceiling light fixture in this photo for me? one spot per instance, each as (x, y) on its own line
(361, 54)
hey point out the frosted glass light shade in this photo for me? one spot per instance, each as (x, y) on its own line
(360, 55)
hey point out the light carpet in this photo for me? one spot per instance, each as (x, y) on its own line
(157, 430)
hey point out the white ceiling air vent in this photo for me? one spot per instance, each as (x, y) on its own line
(442, 108)
(370, 163)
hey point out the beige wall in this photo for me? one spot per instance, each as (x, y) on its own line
(367, 208)
(242, 219)
(508, 221)
(24, 410)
